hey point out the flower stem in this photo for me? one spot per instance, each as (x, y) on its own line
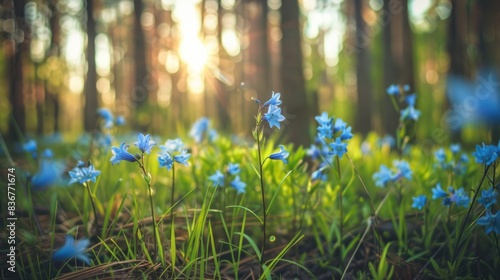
(264, 212)
(476, 192)
(173, 188)
(341, 227)
(148, 182)
(96, 224)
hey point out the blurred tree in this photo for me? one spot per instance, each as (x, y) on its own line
(293, 89)
(222, 98)
(91, 98)
(398, 56)
(16, 45)
(257, 69)
(459, 33)
(140, 90)
(364, 116)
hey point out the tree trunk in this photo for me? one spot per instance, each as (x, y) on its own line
(91, 100)
(295, 107)
(141, 88)
(363, 122)
(17, 123)
(222, 98)
(398, 57)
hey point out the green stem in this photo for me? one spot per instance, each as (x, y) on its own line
(341, 227)
(96, 224)
(173, 187)
(457, 246)
(264, 214)
(148, 182)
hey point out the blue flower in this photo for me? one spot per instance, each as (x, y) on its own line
(238, 185)
(419, 202)
(120, 121)
(403, 170)
(338, 148)
(212, 135)
(440, 156)
(48, 154)
(383, 176)
(199, 129)
(83, 174)
(319, 174)
(144, 143)
(173, 145)
(182, 158)
(387, 140)
(438, 192)
(274, 101)
(455, 148)
(107, 116)
(120, 154)
(325, 131)
(233, 169)
(165, 160)
(410, 113)
(339, 125)
(411, 100)
(48, 174)
(393, 90)
(459, 197)
(346, 134)
(488, 197)
(30, 146)
(217, 178)
(281, 155)
(72, 249)
(491, 221)
(486, 154)
(273, 116)
(324, 119)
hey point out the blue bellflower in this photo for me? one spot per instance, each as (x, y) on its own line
(48, 174)
(338, 148)
(455, 148)
(238, 185)
(233, 169)
(217, 178)
(281, 155)
(346, 134)
(182, 158)
(419, 202)
(144, 143)
(72, 249)
(83, 174)
(120, 154)
(273, 116)
(393, 90)
(438, 192)
(199, 129)
(165, 160)
(274, 101)
(488, 197)
(486, 154)
(173, 145)
(490, 221)
(383, 176)
(120, 121)
(404, 170)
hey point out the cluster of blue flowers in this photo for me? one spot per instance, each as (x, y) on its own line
(330, 141)
(273, 115)
(459, 197)
(233, 171)
(410, 112)
(457, 163)
(173, 151)
(109, 120)
(385, 175)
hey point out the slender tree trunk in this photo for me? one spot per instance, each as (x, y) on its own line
(460, 62)
(141, 88)
(222, 98)
(363, 123)
(91, 98)
(17, 122)
(398, 56)
(295, 107)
